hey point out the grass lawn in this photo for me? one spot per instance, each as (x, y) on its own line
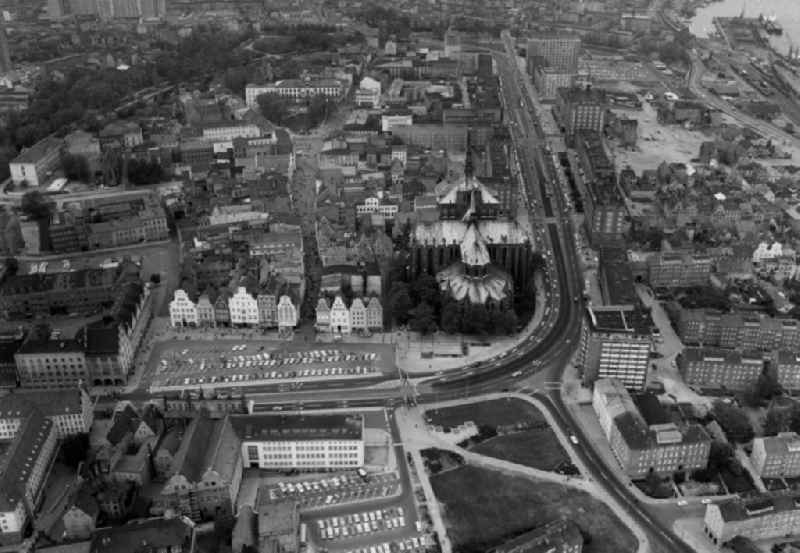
(496, 412)
(537, 448)
(483, 508)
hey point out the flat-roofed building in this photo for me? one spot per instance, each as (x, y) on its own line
(618, 346)
(678, 270)
(714, 368)
(643, 447)
(777, 456)
(71, 411)
(759, 518)
(787, 369)
(318, 442)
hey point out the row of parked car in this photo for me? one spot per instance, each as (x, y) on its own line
(358, 524)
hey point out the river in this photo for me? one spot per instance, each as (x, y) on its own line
(786, 12)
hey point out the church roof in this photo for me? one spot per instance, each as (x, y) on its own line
(469, 184)
(473, 248)
(494, 285)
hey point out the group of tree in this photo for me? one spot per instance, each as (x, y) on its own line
(36, 206)
(763, 390)
(734, 421)
(471, 318)
(720, 458)
(306, 38)
(782, 418)
(143, 172)
(285, 112)
(76, 167)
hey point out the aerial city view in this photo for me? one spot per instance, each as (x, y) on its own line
(426, 276)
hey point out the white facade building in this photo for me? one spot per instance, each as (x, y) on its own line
(287, 313)
(294, 88)
(340, 317)
(243, 308)
(316, 442)
(374, 205)
(369, 93)
(182, 310)
(224, 133)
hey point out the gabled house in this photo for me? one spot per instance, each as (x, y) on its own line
(202, 480)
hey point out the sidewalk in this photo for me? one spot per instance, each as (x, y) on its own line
(415, 436)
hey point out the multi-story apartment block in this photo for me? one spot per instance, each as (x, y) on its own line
(229, 130)
(51, 364)
(36, 165)
(29, 444)
(83, 291)
(739, 331)
(559, 536)
(678, 270)
(556, 51)
(618, 346)
(203, 476)
(758, 518)
(787, 369)
(549, 81)
(295, 89)
(582, 110)
(316, 442)
(720, 369)
(777, 456)
(642, 448)
(451, 138)
(70, 411)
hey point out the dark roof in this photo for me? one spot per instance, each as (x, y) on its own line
(138, 536)
(50, 346)
(125, 421)
(297, 427)
(558, 535)
(101, 338)
(764, 504)
(49, 402)
(15, 465)
(209, 444)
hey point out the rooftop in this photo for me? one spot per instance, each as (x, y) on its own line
(740, 509)
(39, 150)
(148, 535)
(297, 427)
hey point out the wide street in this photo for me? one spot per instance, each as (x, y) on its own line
(537, 364)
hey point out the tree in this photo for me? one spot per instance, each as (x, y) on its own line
(423, 319)
(400, 302)
(274, 107)
(11, 265)
(504, 322)
(143, 172)
(776, 421)
(155, 278)
(734, 422)
(451, 317)
(36, 206)
(76, 167)
(476, 320)
(425, 289)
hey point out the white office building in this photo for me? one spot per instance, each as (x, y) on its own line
(309, 443)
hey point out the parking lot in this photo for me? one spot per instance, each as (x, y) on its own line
(414, 544)
(336, 490)
(357, 524)
(207, 366)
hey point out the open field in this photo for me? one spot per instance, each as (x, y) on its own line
(483, 508)
(494, 413)
(538, 448)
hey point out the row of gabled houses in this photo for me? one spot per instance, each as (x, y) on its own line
(362, 315)
(240, 308)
